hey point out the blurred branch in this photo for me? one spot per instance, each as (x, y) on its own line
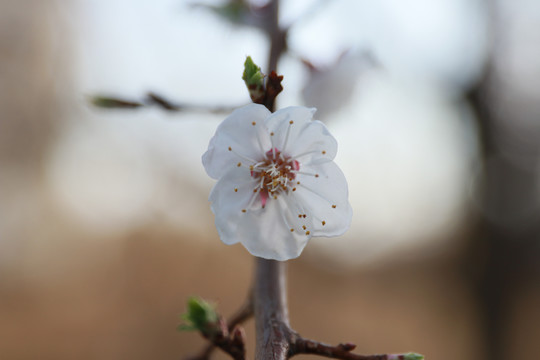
(342, 351)
(151, 99)
(276, 340)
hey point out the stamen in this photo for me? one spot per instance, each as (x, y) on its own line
(316, 193)
(273, 147)
(307, 232)
(242, 156)
(253, 197)
(253, 123)
(260, 146)
(295, 157)
(304, 173)
(287, 136)
(323, 223)
(284, 214)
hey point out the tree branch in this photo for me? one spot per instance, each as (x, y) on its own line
(151, 99)
(341, 351)
(271, 313)
(242, 314)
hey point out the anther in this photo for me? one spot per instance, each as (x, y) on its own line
(323, 223)
(333, 206)
(316, 175)
(254, 123)
(293, 189)
(235, 189)
(292, 230)
(323, 152)
(304, 216)
(230, 148)
(304, 227)
(299, 215)
(244, 210)
(291, 122)
(272, 134)
(239, 164)
(307, 232)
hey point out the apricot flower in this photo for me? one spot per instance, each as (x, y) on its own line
(277, 182)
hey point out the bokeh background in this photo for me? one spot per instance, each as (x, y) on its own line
(105, 228)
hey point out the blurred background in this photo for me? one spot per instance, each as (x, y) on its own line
(105, 227)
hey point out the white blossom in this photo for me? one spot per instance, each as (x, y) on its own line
(277, 183)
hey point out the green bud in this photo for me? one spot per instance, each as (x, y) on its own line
(413, 356)
(199, 314)
(252, 74)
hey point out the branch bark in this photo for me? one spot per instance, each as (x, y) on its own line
(271, 312)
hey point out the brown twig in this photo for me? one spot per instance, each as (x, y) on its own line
(341, 351)
(153, 99)
(233, 343)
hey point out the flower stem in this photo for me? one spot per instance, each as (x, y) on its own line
(271, 313)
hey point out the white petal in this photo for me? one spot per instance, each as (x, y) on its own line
(231, 194)
(247, 141)
(263, 232)
(308, 141)
(267, 234)
(326, 199)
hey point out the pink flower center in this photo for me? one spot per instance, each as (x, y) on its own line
(276, 174)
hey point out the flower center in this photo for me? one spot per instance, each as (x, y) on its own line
(276, 174)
